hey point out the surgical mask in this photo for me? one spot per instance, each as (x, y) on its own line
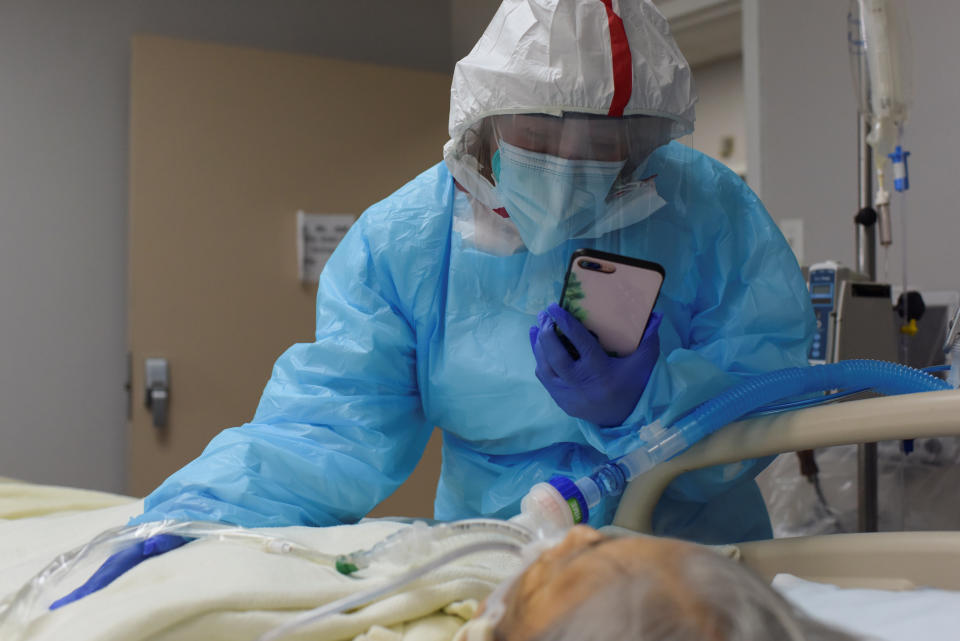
(552, 200)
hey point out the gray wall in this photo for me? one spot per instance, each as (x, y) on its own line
(468, 19)
(801, 125)
(63, 195)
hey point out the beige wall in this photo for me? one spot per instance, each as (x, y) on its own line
(64, 89)
(227, 144)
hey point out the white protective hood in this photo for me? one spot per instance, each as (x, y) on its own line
(611, 57)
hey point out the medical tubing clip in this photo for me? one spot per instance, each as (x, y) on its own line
(901, 173)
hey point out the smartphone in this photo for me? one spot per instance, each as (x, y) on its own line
(612, 296)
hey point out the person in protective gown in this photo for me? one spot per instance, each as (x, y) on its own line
(438, 307)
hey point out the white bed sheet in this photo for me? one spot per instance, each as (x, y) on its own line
(908, 615)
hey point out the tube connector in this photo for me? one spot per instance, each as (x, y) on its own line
(277, 546)
(544, 509)
(574, 497)
(901, 174)
(881, 202)
(886, 226)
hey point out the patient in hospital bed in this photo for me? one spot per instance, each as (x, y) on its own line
(591, 586)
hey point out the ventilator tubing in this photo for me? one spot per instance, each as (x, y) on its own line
(562, 502)
(411, 545)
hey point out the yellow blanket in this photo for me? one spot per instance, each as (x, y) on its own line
(20, 500)
(214, 590)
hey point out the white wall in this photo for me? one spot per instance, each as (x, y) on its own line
(63, 196)
(802, 130)
(720, 112)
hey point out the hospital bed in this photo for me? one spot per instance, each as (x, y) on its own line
(884, 585)
(890, 560)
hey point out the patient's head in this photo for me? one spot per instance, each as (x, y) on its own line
(595, 587)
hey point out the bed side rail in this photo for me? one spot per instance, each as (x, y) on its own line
(924, 415)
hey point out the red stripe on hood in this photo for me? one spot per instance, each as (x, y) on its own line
(622, 62)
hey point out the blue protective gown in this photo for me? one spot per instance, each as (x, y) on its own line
(415, 329)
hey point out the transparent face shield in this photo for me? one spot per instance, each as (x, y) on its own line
(627, 141)
(540, 187)
(575, 176)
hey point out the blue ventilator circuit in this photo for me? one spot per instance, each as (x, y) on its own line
(562, 502)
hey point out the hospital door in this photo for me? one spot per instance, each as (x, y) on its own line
(226, 145)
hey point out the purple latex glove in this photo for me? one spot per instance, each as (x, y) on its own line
(120, 562)
(596, 387)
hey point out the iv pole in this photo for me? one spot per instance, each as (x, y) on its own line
(875, 40)
(866, 255)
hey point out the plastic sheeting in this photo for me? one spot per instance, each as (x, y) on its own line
(917, 491)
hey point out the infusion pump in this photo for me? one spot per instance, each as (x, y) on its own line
(855, 317)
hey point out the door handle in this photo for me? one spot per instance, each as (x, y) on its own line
(157, 388)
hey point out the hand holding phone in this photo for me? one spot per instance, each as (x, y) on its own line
(597, 365)
(612, 296)
(596, 387)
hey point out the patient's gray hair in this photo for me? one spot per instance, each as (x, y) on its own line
(722, 601)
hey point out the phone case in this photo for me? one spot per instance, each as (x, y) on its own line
(612, 296)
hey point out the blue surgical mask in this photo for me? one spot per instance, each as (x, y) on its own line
(552, 200)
